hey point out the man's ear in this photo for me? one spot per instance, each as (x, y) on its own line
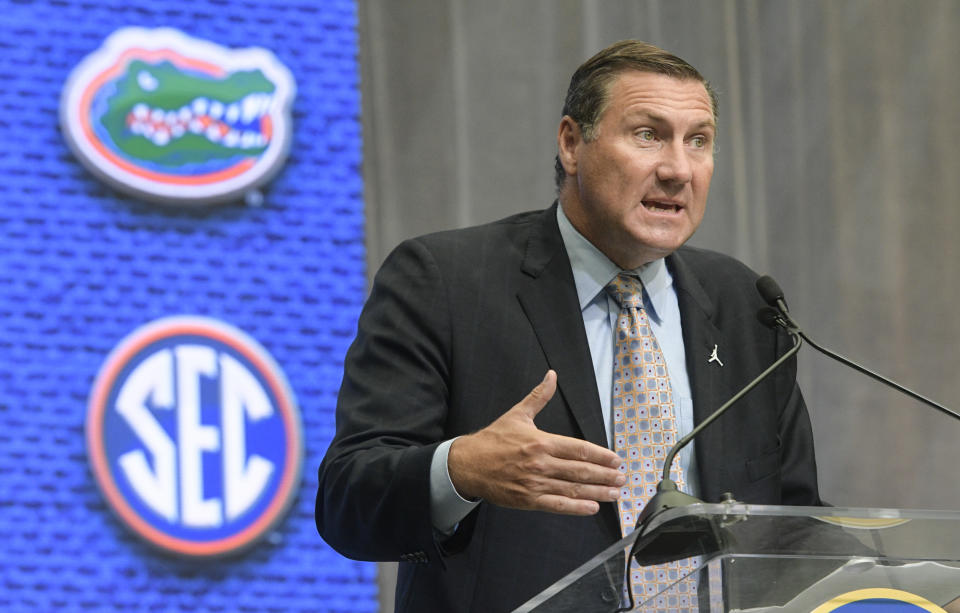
(569, 139)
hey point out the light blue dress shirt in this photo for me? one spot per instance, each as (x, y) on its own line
(592, 270)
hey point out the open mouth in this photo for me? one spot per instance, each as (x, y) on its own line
(657, 206)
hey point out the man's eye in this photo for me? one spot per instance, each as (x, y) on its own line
(698, 141)
(645, 135)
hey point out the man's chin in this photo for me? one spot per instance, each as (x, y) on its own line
(661, 246)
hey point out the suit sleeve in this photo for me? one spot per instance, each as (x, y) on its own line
(373, 499)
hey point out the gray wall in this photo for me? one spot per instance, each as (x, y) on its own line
(837, 172)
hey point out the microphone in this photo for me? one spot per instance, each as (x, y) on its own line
(692, 536)
(771, 292)
(773, 295)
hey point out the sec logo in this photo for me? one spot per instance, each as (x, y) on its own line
(194, 436)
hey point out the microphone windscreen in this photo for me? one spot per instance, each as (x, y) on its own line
(769, 290)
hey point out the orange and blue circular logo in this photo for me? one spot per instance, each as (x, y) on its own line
(878, 600)
(194, 436)
(176, 119)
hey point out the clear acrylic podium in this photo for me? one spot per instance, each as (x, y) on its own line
(762, 558)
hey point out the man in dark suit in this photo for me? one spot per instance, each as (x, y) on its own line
(488, 492)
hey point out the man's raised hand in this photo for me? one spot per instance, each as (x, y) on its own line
(511, 463)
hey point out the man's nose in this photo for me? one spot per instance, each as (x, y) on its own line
(674, 164)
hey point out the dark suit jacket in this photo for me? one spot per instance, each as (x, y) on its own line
(459, 327)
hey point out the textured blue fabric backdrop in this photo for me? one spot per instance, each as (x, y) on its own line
(81, 266)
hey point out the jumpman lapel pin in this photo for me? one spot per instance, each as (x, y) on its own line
(714, 357)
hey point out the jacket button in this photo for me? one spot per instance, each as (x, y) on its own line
(608, 594)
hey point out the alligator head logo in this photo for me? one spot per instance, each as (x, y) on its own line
(176, 119)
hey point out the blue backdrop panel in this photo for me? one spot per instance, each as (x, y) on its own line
(82, 266)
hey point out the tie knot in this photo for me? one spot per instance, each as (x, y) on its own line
(627, 290)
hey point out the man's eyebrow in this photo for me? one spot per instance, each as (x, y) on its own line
(654, 117)
(648, 115)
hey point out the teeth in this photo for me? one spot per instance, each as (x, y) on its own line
(161, 138)
(248, 140)
(251, 140)
(233, 113)
(251, 107)
(218, 122)
(231, 139)
(213, 133)
(200, 106)
(659, 206)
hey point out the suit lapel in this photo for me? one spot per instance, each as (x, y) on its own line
(550, 302)
(700, 336)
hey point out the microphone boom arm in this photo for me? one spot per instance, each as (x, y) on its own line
(879, 377)
(776, 299)
(668, 496)
(716, 414)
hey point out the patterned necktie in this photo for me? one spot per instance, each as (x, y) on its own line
(644, 430)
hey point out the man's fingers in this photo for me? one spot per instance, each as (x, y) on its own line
(585, 473)
(538, 396)
(567, 506)
(573, 498)
(579, 491)
(569, 448)
(559, 496)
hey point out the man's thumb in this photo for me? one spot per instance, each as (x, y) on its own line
(539, 396)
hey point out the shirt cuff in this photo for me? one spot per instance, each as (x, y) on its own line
(447, 506)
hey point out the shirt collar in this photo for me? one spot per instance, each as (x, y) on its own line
(592, 270)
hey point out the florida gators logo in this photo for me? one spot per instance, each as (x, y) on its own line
(194, 436)
(176, 119)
